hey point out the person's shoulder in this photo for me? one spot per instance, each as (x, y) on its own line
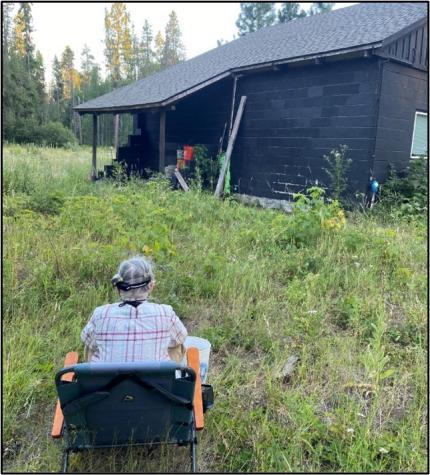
(104, 309)
(163, 308)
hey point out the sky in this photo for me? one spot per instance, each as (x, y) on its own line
(57, 25)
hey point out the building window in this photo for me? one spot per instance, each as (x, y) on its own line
(419, 137)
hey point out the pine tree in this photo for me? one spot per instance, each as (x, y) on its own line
(38, 76)
(289, 11)
(133, 66)
(9, 87)
(71, 85)
(159, 49)
(321, 7)
(57, 90)
(174, 51)
(87, 63)
(6, 29)
(118, 42)
(23, 30)
(147, 54)
(26, 100)
(255, 15)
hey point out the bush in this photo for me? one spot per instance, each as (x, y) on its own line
(56, 135)
(52, 134)
(312, 217)
(406, 195)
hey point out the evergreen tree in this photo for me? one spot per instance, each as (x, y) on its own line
(71, 85)
(8, 86)
(118, 42)
(6, 29)
(25, 104)
(135, 59)
(38, 77)
(147, 54)
(321, 7)
(57, 91)
(159, 49)
(23, 42)
(290, 10)
(173, 51)
(87, 64)
(255, 15)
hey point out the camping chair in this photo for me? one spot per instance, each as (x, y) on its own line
(106, 405)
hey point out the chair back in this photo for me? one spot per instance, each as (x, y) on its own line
(115, 404)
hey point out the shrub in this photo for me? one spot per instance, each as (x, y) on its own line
(56, 135)
(312, 216)
(406, 194)
(53, 134)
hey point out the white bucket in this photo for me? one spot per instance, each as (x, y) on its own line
(204, 348)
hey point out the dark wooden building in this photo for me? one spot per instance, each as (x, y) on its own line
(356, 76)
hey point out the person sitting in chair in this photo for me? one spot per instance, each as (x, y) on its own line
(134, 329)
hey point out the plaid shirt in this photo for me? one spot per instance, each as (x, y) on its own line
(127, 333)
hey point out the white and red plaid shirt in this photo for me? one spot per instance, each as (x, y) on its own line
(126, 333)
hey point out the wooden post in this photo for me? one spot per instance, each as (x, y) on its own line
(162, 143)
(116, 134)
(94, 163)
(230, 146)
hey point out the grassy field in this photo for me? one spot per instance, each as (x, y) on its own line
(349, 299)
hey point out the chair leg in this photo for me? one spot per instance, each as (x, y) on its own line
(65, 461)
(193, 456)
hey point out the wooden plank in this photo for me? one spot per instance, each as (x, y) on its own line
(162, 142)
(193, 361)
(94, 161)
(57, 427)
(181, 180)
(230, 145)
(233, 101)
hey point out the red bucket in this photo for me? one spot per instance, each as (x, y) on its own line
(188, 152)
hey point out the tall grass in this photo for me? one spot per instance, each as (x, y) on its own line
(350, 302)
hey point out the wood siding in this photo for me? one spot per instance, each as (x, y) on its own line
(404, 91)
(411, 48)
(295, 117)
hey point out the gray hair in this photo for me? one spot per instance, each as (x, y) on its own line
(133, 271)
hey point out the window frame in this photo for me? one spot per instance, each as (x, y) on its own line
(417, 113)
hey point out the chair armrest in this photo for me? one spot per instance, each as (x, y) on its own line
(193, 361)
(57, 427)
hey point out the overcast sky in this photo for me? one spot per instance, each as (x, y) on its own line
(59, 24)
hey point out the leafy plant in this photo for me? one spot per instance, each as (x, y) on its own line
(206, 168)
(405, 194)
(312, 216)
(338, 166)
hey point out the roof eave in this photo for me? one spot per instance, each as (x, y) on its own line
(181, 95)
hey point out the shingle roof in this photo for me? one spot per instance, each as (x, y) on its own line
(365, 24)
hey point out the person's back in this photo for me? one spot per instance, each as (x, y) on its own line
(134, 329)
